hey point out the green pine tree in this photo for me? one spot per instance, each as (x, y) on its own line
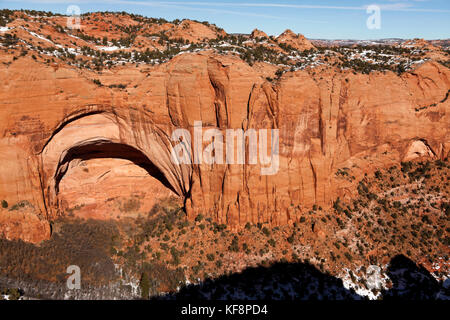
(145, 286)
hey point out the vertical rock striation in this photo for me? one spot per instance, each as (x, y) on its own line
(52, 118)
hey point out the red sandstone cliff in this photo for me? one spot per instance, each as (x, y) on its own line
(55, 121)
(335, 121)
(297, 41)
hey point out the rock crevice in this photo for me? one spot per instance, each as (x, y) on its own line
(327, 121)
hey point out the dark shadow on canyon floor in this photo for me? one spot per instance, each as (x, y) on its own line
(40, 272)
(302, 281)
(278, 282)
(412, 282)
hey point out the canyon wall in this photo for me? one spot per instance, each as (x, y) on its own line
(54, 119)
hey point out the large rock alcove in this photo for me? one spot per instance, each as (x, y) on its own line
(92, 168)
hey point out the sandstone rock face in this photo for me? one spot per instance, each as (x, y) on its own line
(193, 31)
(418, 149)
(297, 41)
(258, 34)
(431, 51)
(67, 143)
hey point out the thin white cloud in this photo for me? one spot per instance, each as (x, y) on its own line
(399, 5)
(185, 6)
(171, 5)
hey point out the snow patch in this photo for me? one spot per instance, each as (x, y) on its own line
(112, 48)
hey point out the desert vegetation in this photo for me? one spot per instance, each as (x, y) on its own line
(399, 210)
(106, 43)
(84, 243)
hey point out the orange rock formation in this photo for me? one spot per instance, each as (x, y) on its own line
(54, 120)
(68, 143)
(297, 41)
(258, 34)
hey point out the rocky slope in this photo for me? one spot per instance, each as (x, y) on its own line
(297, 41)
(59, 119)
(390, 241)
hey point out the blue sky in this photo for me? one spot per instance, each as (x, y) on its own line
(344, 19)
